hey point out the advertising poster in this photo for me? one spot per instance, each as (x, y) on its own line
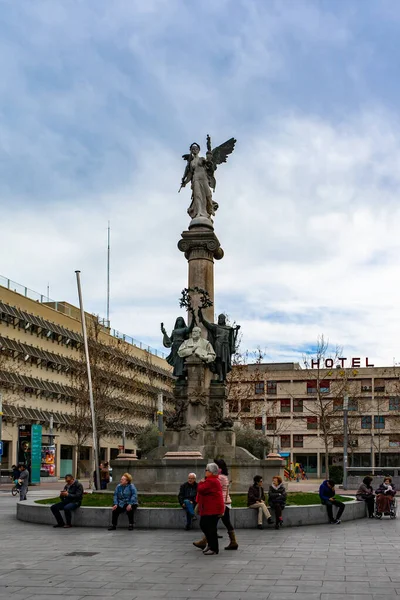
(36, 452)
(49, 460)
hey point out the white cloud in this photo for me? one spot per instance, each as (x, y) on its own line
(99, 105)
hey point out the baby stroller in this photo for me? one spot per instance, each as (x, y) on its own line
(391, 514)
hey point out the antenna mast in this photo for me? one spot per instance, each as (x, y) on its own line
(108, 275)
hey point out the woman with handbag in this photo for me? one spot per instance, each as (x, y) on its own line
(224, 481)
(211, 507)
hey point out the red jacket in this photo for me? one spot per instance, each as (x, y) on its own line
(209, 497)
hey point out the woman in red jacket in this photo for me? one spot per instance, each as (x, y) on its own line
(211, 506)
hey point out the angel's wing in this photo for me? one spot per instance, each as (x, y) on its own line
(221, 153)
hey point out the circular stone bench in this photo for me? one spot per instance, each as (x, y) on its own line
(175, 518)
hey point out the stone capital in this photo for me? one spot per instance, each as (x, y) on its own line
(200, 244)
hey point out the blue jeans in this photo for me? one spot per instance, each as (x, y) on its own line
(67, 508)
(189, 508)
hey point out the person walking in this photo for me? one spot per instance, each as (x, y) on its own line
(224, 481)
(211, 507)
(187, 499)
(125, 500)
(104, 476)
(71, 499)
(365, 493)
(23, 481)
(327, 496)
(384, 496)
(277, 499)
(256, 500)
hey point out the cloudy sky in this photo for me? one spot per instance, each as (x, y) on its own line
(99, 99)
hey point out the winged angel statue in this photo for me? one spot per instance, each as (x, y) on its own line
(200, 172)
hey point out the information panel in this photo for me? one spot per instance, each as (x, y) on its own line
(36, 453)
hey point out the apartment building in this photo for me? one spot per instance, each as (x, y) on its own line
(41, 354)
(299, 409)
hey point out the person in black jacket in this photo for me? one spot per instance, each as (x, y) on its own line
(71, 499)
(277, 499)
(187, 499)
(256, 499)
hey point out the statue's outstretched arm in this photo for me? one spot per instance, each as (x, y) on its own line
(167, 342)
(207, 325)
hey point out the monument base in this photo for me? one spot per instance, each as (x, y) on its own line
(167, 474)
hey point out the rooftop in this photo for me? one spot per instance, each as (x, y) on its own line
(73, 311)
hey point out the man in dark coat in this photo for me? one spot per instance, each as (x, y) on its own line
(187, 499)
(71, 499)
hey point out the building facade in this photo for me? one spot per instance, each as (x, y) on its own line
(301, 412)
(43, 382)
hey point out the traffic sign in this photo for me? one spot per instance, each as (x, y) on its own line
(1, 448)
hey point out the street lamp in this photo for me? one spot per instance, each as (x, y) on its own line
(345, 435)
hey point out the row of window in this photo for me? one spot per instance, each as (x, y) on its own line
(312, 422)
(298, 441)
(298, 405)
(312, 387)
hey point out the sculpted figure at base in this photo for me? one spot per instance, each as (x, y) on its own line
(197, 346)
(200, 172)
(223, 338)
(179, 334)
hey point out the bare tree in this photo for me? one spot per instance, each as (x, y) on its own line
(123, 387)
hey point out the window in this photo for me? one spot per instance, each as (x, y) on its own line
(271, 387)
(338, 441)
(271, 423)
(245, 406)
(379, 422)
(366, 385)
(311, 387)
(233, 406)
(394, 403)
(297, 441)
(259, 387)
(285, 441)
(324, 387)
(297, 405)
(312, 422)
(366, 422)
(379, 385)
(258, 423)
(285, 405)
(394, 440)
(353, 404)
(338, 404)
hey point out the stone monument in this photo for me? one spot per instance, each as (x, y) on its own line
(199, 430)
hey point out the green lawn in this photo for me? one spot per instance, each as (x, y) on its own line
(239, 501)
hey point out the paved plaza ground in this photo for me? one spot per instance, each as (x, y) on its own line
(353, 561)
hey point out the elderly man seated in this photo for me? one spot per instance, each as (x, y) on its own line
(187, 499)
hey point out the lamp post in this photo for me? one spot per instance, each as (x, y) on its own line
(345, 439)
(90, 387)
(264, 426)
(160, 410)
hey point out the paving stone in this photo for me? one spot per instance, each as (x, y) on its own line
(308, 563)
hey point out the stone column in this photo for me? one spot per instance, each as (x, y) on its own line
(201, 246)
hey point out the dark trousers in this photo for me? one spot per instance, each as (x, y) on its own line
(67, 507)
(208, 525)
(329, 508)
(119, 510)
(278, 508)
(370, 502)
(226, 519)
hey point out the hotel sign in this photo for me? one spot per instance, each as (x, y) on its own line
(330, 363)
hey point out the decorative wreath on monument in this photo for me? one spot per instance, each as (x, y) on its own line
(186, 298)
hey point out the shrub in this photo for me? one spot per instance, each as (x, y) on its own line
(252, 440)
(336, 473)
(147, 440)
